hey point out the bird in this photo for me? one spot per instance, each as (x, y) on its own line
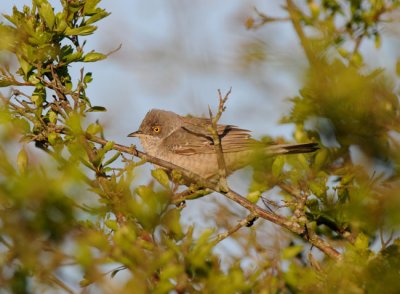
(187, 142)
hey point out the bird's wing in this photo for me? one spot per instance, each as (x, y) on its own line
(194, 138)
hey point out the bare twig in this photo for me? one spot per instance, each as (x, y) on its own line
(114, 50)
(241, 224)
(61, 284)
(217, 139)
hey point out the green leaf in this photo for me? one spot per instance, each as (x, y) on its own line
(254, 196)
(172, 221)
(111, 224)
(361, 242)
(76, 56)
(321, 158)
(93, 129)
(109, 145)
(90, 6)
(97, 16)
(22, 160)
(112, 159)
(38, 96)
(85, 282)
(81, 31)
(88, 78)
(52, 117)
(93, 56)
(96, 109)
(317, 188)
(291, 251)
(46, 12)
(378, 41)
(61, 23)
(277, 165)
(398, 67)
(53, 138)
(161, 176)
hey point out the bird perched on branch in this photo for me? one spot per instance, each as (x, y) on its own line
(188, 142)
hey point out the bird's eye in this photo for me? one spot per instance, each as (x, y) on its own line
(156, 129)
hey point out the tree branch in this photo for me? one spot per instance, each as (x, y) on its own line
(294, 14)
(255, 210)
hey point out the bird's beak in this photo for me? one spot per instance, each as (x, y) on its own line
(136, 134)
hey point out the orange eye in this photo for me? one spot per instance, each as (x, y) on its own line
(156, 129)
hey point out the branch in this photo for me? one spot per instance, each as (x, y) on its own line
(255, 210)
(294, 14)
(217, 139)
(241, 224)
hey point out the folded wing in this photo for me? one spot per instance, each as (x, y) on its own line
(194, 138)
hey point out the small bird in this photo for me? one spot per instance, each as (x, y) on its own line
(188, 143)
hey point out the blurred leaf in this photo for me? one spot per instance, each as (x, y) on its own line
(111, 224)
(5, 83)
(112, 159)
(254, 196)
(161, 176)
(172, 221)
(22, 160)
(277, 165)
(93, 129)
(361, 242)
(292, 251)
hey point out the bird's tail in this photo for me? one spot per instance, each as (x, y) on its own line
(292, 148)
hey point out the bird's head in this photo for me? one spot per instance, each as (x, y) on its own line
(157, 124)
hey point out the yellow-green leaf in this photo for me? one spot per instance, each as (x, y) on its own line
(291, 251)
(109, 145)
(81, 31)
(52, 138)
(361, 242)
(161, 176)
(254, 196)
(93, 56)
(46, 12)
(111, 224)
(320, 158)
(277, 165)
(93, 129)
(52, 117)
(22, 160)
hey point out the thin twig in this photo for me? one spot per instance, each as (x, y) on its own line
(61, 284)
(222, 172)
(241, 224)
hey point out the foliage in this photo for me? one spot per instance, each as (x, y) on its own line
(72, 207)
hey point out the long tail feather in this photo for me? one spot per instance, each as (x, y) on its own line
(292, 148)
